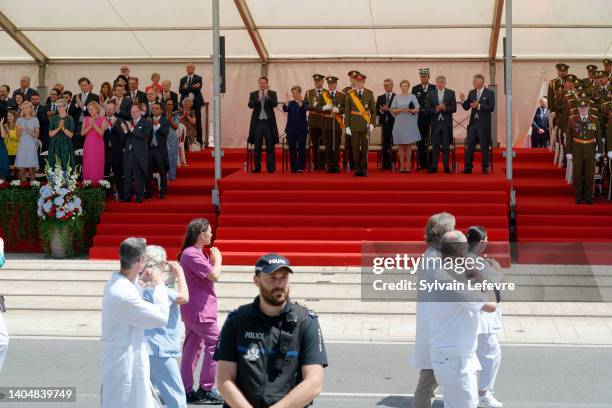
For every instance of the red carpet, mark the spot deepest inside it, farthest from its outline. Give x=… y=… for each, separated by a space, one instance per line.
x=322 y=219
x=163 y=222
x=546 y=211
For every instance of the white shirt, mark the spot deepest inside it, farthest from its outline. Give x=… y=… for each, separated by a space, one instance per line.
x=453 y=327
x=421 y=356
x=125 y=377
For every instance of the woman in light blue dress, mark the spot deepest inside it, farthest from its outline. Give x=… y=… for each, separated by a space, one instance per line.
x=405 y=109
x=164 y=343
x=172 y=117
x=28 y=129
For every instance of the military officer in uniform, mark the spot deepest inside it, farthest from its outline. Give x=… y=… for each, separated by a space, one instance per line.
x=421 y=91
x=332 y=102
x=348 y=148
x=359 y=115
x=314 y=120
x=584 y=148
x=553 y=87
x=590 y=79
x=600 y=92
x=608 y=67
x=268 y=347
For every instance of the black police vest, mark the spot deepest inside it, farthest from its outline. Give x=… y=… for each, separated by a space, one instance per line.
x=269 y=361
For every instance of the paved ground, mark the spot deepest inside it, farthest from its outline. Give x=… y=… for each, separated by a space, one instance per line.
x=359 y=375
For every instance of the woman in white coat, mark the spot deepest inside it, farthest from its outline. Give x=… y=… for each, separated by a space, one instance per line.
x=489 y=324
x=126 y=379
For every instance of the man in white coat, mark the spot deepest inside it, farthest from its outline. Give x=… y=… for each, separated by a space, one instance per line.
x=126 y=380
x=437 y=226
x=453 y=329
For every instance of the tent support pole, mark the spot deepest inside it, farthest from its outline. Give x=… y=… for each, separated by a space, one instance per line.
x=508 y=79
x=216 y=101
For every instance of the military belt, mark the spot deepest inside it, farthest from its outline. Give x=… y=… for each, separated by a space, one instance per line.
x=584 y=141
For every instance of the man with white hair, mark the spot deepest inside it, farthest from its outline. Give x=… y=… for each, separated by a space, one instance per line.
x=453 y=327
x=24 y=88
x=126 y=379
x=437 y=226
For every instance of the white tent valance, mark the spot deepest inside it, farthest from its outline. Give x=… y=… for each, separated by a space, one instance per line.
x=294 y=29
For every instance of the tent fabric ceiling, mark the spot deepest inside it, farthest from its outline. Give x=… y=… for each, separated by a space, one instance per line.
x=294 y=29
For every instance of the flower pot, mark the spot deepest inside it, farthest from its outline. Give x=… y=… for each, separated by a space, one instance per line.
x=59 y=240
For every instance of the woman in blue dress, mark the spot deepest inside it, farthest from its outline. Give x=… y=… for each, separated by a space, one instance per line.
x=405 y=109
x=172 y=117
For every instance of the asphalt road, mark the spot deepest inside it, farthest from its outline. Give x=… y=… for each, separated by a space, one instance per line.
x=359 y=375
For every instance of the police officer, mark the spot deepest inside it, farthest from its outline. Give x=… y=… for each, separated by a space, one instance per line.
x=268 y=347
x=584 y=148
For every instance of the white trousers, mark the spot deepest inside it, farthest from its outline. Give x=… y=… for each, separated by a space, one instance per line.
x=4 y=341
x=489 y=356
x=458 y=380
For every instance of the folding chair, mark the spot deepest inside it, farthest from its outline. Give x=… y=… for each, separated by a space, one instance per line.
x=375 y=144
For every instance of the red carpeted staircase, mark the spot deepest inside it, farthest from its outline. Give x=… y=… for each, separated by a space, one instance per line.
x=545 y=207
x=163 y=222
x=322 y=219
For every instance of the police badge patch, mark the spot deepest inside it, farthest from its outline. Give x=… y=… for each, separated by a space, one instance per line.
x=252 y=353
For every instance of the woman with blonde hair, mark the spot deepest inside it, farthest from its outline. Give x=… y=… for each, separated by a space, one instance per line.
x=405 y=109
x=165 y=342
x=28 y=131
x=93 y=130
x=155 y=78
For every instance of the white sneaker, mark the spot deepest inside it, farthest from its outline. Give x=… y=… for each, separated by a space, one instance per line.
x=489 y=401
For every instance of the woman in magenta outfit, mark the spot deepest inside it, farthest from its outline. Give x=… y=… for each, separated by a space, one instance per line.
x=93 y=130
x=200 y=314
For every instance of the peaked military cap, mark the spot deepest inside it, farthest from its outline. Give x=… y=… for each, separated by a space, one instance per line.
x=424 y=72
x=353 y=73
x=318 y=77
x=562 y=67
x=331 y=79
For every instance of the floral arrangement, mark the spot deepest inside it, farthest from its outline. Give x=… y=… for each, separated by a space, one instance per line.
x=58 y=199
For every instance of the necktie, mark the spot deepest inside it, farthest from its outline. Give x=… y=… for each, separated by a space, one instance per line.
x=332 y=94
x=133 y=95
x=359 y=94
x=478 y=93
x=110 y=121
x=52 y=107
x=189 y=82
x=387 y=99
x=134 y=122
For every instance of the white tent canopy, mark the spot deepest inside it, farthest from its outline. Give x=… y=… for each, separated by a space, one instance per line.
x=62 y=40
x=295 y=29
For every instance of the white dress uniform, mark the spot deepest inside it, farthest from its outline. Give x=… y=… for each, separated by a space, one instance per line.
x=126 y=379
x=488 y=350
x=453 y=334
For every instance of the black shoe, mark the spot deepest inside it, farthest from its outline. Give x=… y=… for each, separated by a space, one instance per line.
x=588 y=202
x=357 y=173
x=256 y=171
x=432 y=170
x=213 y=397
x=447 y=170
x=466 y=171
x=162 y=196
x=126 y=200
x=579 y=201
x=192 y=397
x=364 y=173
x=300 y=171
x=139 y=200
x=485 y=171
x=147 y=195
x=422 y=167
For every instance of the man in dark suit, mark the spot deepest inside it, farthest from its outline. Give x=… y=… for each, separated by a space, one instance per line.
x=166 y=94
x=151 y=99
x=158 y=151
x=442 y=105
x=51 y=106
x=114 y=140
x=78 y=109
x=6 y=102
x=43 y=119
x=136 y=154
x=263 y=124
x=191 y=86
x=481 y=101
x=24 y=88
x=136 y=95
x=421 y=91
x=123 y=103
x=539 y=126
x=386 y=121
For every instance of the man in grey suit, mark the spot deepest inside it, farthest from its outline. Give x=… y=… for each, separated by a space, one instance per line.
x=481 y=101
x=442 y=105
x=136 y=154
